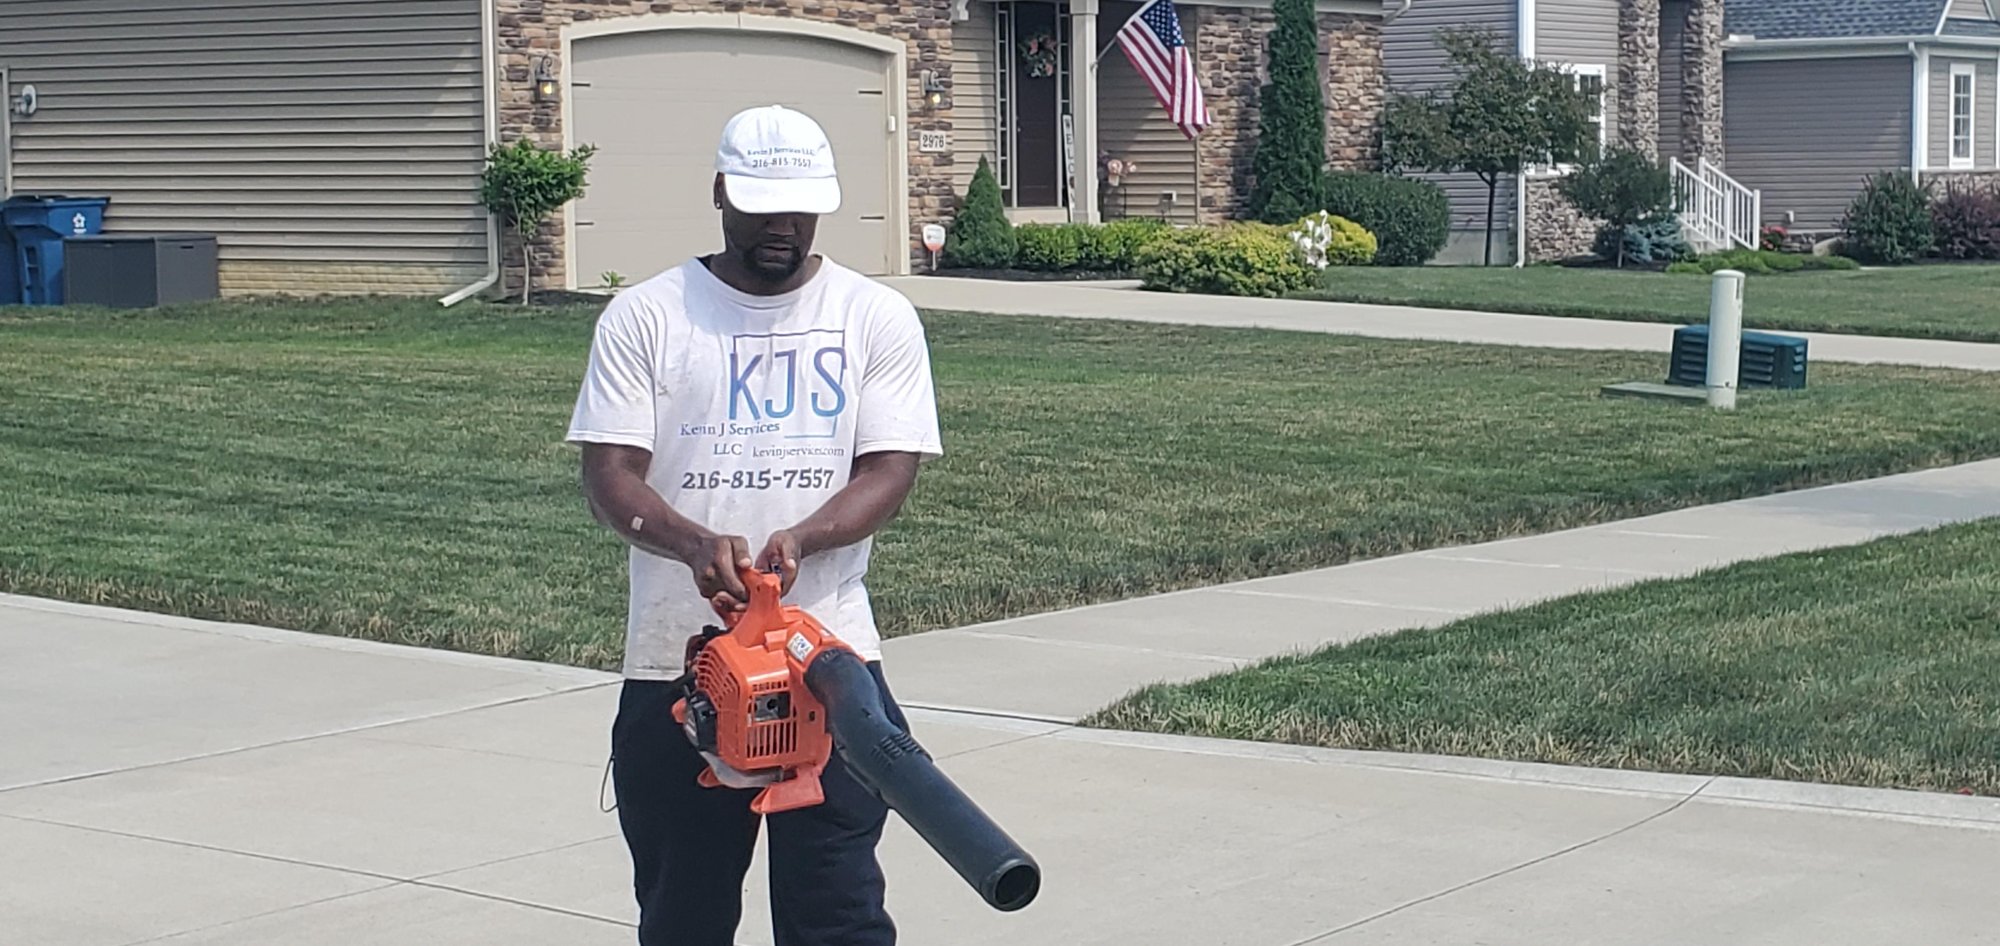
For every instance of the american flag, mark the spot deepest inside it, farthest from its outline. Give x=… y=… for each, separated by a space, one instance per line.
x=1152 y=40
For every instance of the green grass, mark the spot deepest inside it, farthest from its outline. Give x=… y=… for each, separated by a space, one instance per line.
x=1869 y=665
x=394 y=470
x=1947 y=302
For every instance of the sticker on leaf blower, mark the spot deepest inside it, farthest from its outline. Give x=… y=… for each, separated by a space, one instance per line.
x=800 y=647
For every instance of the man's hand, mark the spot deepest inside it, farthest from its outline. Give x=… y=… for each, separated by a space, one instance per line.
x=718 y=572
x=781 y=555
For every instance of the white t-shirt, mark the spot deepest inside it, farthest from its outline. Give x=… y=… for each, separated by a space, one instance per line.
x=754 y=408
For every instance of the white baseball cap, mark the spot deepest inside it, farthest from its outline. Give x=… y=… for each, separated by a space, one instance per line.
x=774 y=160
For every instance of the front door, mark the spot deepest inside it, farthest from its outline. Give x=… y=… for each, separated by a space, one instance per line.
x=1038 y=69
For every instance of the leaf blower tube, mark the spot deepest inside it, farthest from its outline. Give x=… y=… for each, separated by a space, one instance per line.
x=892 y=765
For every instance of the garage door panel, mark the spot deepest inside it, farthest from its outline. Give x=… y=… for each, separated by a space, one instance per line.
x=654 y=104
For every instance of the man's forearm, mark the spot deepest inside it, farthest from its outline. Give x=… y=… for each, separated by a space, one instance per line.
x=620 y=499
x=872 y=497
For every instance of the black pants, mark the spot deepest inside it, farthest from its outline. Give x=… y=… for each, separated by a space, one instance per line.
x=691 y=846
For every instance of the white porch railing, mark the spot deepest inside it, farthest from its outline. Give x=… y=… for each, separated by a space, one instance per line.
x=1717 y=211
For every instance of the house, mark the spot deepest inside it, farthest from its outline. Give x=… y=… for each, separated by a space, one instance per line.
x=338 y=146
x=1768 y=111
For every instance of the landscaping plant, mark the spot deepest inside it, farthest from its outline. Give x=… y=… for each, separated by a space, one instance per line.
x=1623 y=188
x=1114 y=247
x=1965 y=222
x=1235 y=259
x=1654 y=239
x=1889 y=222
x=1291 y=119
x=1499 y=115
x=524 y=183
x=980 y=236
x=1411 y=219
x=1772 y=238
x=1048 y=247
x=1761 y=262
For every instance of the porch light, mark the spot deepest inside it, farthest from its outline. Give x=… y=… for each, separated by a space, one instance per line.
x=933 y=88
x=546 y=89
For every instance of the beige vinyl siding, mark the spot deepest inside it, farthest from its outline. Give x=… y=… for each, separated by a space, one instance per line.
x=1808 y=132
x=1983 y=91
x=974 y=102
x=1578 y=31
x=1132 y=126
x=1968 y=10
x=1673 y=33
x=1414 y=61
x=327 y=145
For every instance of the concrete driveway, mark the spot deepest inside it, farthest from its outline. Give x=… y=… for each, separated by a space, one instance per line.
x=175 y=781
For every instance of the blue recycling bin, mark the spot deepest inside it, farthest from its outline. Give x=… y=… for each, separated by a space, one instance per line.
x=10 y=275
x=37 y=224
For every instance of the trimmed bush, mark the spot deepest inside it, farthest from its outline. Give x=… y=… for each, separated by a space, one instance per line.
x=1623 y=188
x=980 y=236
x=1048 y=247
x=1114 y=247
x=1761 y=263
x=1411 y=219
x=1656 y=239
x=1889 y=222
x=1965 y=222
x=1237 y=259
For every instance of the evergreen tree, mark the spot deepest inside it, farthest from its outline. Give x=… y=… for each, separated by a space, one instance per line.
x=980 y=236
x=1291 y=134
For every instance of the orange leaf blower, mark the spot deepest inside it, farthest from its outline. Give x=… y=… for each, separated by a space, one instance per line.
x=769 y=700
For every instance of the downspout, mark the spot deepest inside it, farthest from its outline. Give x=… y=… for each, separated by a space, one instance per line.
x=1391 y=18
x=1919 y=119
x=1525 y=24
x=489 y=64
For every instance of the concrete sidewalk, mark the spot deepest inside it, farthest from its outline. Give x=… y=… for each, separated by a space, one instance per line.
x=1120 y=301
x=173 y=781
x=1061 y=665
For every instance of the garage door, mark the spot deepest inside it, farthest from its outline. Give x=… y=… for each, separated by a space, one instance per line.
x=654 y=104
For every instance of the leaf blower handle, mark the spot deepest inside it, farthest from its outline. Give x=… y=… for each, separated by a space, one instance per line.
x=899 y=771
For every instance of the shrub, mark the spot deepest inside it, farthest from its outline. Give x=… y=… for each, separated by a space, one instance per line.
x=1772 y=238
x=1326 y=240
x=1291 y=117
x=980 y=236
x=1114 y=247
x=1965 y=222
x=1048 y=247
x=1761 y=262
x=524 y=183
x=1623 y=188
x=1889 y=222
x=1656 y=239
x=1238 y=259
x=1411 y=219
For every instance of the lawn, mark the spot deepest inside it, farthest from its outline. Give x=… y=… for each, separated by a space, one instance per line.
x=1869 y=665
x=1949 y=302
x=394 y=470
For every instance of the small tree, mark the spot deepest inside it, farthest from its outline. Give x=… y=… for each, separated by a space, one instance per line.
x=1291 y=119
x=1624 y=188
x=524 y=184
x=1499 y=115
x=980 y=236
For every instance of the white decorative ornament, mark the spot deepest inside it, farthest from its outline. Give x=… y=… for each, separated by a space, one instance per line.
x=1312 y=236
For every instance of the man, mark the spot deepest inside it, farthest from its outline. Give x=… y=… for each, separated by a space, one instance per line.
x=764 y=397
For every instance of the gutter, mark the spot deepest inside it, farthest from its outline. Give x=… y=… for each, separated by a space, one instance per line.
x=1848 y=42
x=489 y=63
x=1524 y=25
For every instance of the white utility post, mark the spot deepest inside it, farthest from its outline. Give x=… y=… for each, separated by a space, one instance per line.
x=1725 y=337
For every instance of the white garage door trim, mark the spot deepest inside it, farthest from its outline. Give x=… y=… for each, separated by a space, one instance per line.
x=896 y=57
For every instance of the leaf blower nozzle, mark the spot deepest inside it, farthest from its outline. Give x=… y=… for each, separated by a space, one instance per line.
x=899 y=771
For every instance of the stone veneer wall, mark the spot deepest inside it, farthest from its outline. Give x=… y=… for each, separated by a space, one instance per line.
x=1639 y=74
x=1555 y=229
x=1701 y=108
x=528 y=29
x=1230 y=42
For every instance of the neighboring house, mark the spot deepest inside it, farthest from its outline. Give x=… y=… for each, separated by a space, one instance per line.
x=1771 y=111
x=337 y=146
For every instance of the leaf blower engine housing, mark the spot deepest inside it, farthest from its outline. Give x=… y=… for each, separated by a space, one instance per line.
x=768 y=702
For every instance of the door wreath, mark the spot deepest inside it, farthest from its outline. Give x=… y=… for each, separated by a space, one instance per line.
x=1038 y=53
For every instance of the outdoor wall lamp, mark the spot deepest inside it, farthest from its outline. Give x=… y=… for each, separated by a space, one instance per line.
x=27 y=103
x=546 y=89
x=933 y=88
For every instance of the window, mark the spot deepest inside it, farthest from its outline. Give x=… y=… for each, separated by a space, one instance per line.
x=1961 y=125
x=1589 y=77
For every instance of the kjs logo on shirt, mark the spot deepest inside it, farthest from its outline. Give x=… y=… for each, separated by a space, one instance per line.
x=795 y=382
